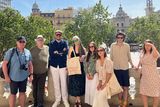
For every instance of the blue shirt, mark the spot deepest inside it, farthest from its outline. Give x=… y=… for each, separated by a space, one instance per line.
x=16 y=74
x=58 y=59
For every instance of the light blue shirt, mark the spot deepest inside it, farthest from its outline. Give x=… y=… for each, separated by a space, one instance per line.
x=15 y=73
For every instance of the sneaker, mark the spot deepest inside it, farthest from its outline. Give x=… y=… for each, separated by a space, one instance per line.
x=56 y=103
x=66 y=104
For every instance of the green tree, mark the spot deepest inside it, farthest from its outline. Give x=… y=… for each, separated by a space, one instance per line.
x=91 y=24
x=36 y=25
x=11 y=26
x=143 y=28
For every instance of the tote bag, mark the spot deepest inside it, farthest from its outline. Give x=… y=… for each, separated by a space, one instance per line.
x=73 y=65
x=113 y=86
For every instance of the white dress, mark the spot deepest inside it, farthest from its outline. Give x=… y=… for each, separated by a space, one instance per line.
x=100 y=98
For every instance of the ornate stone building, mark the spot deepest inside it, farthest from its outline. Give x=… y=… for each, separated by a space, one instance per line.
x=149 y=8
x=121 y=21
x=59 y=17
x=4 y=4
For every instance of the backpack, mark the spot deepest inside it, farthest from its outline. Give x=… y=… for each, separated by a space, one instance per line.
x=8 y=65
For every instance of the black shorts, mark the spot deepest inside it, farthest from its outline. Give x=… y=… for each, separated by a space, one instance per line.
x=122 y=77
x=20 y=85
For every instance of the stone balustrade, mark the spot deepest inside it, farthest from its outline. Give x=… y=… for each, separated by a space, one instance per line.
x=50 y=98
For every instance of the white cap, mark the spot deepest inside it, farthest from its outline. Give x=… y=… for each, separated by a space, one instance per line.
x=40 y=36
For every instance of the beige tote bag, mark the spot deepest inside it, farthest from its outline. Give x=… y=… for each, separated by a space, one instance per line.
x=73 y=65
x=113 y=86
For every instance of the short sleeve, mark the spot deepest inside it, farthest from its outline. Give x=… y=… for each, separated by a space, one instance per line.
x=109 y=66
x=7 y=55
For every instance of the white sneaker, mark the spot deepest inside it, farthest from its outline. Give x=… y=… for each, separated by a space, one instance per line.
x=66 y=104
x=56 y=103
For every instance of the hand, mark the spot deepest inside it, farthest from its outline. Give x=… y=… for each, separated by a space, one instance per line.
x=103 y=86
x=30 y=78
x=99 y=86
x=7 y=79
x=64 y=49
x=89 y=76
x=136 y=68
x=55 y=52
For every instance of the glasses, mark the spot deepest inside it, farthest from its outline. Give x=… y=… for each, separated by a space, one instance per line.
x=76 y=40
x=101 y=50
x=58 y=35
x=119 y=37
x=40 y=40
x=22 y=42
x=91 y=46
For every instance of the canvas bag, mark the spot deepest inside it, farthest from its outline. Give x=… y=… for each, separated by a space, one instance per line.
x=113 y=86
x=73 y=65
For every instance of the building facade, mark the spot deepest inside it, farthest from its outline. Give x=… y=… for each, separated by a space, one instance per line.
x=121 y=21
x=59 y=17
x=4 y=4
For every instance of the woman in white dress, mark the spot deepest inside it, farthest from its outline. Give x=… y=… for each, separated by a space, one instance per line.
x=91 y=75
x=104 y=67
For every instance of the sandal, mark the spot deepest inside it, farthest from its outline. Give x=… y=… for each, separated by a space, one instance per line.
x=120 y=103
x=125 y=104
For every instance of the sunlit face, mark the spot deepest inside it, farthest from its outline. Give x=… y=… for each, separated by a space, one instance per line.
x=101 y=52
x=120 y=38
x=21 y=44
x=58 y=36
x=76 y=42
x=91 y=47
x=147 y=47
x=40 y=41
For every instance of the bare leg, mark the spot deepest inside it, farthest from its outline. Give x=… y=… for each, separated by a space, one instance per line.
x=125 y=96
x=22 y=98
x=145 y=100
x=12 y=100
x=120 y=96
x=155 y=101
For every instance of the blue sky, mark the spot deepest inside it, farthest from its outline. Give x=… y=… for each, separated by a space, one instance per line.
x=133 y=8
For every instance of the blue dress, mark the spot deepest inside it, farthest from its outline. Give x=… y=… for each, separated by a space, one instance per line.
x=76 y=86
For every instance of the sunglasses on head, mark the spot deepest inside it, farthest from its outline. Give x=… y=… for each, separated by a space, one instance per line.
x=21 y=41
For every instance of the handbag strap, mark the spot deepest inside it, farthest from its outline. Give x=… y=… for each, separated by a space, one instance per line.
x=74 y=52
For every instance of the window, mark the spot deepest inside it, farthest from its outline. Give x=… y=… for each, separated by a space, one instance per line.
x=122 y=24
x=117 y=24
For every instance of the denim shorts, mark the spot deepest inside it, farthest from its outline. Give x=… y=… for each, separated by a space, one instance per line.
x=122 y=77
x=18 y=85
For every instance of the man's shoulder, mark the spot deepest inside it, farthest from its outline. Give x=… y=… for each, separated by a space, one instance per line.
x=27 y=51
x=113 y=44
x=126 y=44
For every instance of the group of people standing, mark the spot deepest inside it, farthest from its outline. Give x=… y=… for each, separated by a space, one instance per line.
x=96 y=71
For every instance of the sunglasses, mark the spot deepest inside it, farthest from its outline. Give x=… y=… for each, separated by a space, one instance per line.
x=120 y=38
x=91 y=46
x=21 y=41
x=58 y=35
x=101 y=50
x=76 y=40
